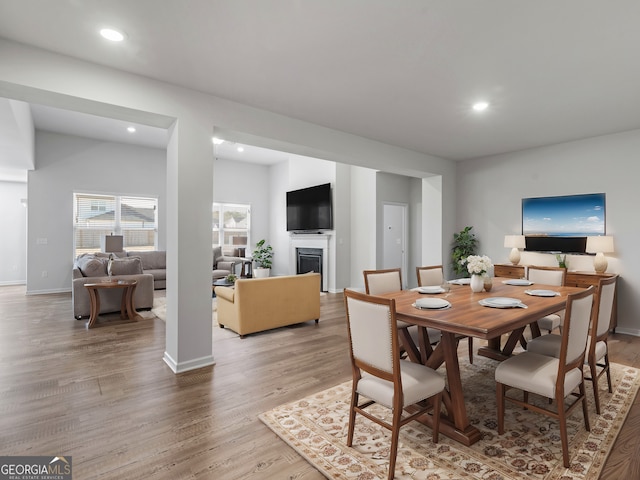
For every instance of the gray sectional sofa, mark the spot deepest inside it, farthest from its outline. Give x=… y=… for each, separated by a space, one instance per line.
x=149 y=268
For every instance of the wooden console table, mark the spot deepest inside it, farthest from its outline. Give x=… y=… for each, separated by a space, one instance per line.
x=573 y=279
x=127 y=308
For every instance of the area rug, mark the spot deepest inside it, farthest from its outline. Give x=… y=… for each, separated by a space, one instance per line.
x=160 y=309
x=316 y=427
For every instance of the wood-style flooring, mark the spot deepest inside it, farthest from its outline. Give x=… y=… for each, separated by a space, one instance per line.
x=106 y=398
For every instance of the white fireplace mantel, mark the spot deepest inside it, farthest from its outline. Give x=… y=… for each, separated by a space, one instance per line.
x=311 y=240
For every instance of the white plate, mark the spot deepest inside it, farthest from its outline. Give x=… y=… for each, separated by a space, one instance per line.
x=431 y=289
x=518 y=281
x=432 y=303
x=461 y=281
x=500 y=302
x=542 y=293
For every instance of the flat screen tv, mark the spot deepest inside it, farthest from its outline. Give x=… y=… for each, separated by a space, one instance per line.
x=310 y=209
x=562 y=223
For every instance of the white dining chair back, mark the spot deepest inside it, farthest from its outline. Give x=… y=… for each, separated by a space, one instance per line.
x=548 y=276
x=430 y=275
x=377 y=282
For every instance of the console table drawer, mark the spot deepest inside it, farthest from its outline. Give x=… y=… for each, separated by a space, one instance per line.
x=584 y=279
x=509 y=271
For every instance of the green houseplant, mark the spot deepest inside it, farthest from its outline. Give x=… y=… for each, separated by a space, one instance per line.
x=263 y=258
x=464 y=244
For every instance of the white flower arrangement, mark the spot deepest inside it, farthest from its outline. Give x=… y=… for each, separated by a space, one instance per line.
x=478 y=265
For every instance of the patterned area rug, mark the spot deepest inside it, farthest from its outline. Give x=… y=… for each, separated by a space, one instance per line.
x=316 y=427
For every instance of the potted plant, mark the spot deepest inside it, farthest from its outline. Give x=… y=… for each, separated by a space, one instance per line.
x=263 y=259
x=464 y=244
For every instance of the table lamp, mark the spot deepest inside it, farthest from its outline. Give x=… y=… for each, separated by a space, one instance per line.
x=113 y=243
x=600 y=245
x=514 y=242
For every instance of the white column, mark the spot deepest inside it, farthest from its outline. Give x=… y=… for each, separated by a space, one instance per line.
x=189 y=254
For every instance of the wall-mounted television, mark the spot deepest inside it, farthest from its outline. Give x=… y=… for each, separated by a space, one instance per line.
x=562 y=223
x=310 y=209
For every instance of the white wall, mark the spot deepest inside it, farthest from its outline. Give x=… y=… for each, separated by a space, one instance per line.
x=490 y=191
x=66 y=164
x=245 y=183
x=363 y=223
x=13 y=241
x=278 y=238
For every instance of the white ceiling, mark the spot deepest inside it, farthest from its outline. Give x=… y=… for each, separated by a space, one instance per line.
x=404 y=73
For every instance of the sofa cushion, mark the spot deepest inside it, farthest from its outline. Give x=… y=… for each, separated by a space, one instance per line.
x=126 y=266
x=151 y=259
x=226 y=266
x=91 y=266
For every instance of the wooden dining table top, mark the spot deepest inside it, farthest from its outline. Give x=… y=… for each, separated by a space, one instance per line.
x=467 y=317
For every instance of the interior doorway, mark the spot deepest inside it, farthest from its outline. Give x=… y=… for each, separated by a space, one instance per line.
x=394 y=237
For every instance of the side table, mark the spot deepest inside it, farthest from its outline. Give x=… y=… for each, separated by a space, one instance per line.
x=127 y=308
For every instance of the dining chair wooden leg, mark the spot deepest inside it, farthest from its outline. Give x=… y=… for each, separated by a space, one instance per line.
x=352 y=415
x=594 y=382
x=562 y=420
x=585 y=409
x=500 y=391
x=395 y=436
x=471 y=350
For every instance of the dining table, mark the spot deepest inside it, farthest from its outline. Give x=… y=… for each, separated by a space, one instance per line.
x=468 y=314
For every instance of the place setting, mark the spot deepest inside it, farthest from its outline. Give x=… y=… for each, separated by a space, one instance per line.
x=432 y=289
x=542 y=293
x=431 y=304
x=501 y=302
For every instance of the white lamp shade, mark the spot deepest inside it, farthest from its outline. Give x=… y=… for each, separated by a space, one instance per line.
x=514 y=241
x=602 y=244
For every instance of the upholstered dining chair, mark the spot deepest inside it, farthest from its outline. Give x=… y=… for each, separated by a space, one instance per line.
x=432 y=275
x=548 y=276
x=381 y=376
x=377 y=282
x=551 y=377
x=597 y=356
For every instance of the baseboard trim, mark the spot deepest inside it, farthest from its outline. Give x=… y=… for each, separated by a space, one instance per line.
x=628 y=331
x=46 y=292
x=187 y=366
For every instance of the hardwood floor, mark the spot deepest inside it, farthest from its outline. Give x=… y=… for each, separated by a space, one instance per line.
x=105 y=397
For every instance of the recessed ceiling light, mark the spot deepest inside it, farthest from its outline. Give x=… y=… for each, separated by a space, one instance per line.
x=131 y=129
x=241 y=149
x=111 y=34
x=217 y=141
x=480 y=106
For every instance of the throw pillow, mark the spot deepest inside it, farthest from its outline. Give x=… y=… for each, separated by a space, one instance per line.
x=92 y=266
x=217 y=253
x=126 y=266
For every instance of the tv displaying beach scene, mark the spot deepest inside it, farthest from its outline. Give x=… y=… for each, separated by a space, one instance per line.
x=564 y=216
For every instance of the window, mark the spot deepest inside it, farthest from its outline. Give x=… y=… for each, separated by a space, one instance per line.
x=94 y=216
x=231 y=225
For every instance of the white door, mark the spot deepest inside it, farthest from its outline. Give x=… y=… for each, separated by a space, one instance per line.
x=394 y=238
